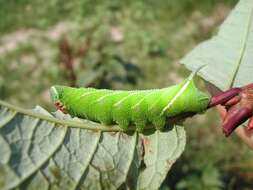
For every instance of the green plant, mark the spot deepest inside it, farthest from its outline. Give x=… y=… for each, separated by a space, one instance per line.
x=142 y=44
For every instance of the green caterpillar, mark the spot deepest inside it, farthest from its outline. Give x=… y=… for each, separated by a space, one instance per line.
x=136 y=107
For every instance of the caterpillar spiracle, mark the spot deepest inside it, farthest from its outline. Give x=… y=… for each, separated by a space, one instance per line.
x=136 y=107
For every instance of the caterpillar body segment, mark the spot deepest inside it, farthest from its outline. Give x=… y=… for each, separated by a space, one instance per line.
x=125 y=108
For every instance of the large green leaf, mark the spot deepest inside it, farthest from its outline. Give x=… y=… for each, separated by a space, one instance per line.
x=229 y=54
x=39 y=150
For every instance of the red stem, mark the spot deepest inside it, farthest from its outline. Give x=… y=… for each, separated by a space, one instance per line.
x=224 y=97
x=235 y=118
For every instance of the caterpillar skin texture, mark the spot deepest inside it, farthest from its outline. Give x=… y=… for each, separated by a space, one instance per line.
x=125 y=108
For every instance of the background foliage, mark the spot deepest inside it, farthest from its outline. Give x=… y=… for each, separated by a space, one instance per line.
x=121 y=45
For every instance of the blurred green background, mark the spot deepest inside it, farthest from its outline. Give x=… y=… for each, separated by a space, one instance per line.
x=121 y=45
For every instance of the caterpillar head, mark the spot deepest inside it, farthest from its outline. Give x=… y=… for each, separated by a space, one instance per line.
x=56 y=94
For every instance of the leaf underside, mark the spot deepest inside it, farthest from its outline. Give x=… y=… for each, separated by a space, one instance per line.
x=229 y=54
x=39 y=150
